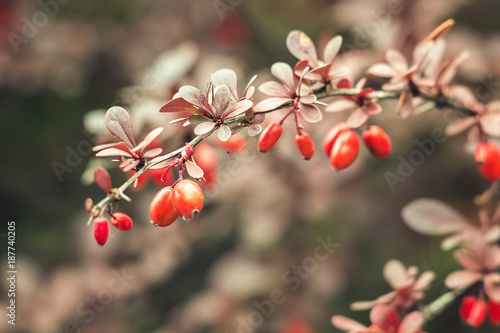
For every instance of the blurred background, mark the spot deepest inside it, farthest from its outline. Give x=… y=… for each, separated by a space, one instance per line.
x=247 y=263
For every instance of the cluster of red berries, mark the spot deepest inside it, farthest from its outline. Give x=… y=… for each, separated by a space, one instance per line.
x=121 y=221
x=341 y=144
x=184 y=198
x=487 y=156
x=473 y=311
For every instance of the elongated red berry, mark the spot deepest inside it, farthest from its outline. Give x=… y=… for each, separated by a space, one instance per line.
x=121 y=221
x=494 y=312
x=331 y=136
x=269 y=136
x=101 y=230
x=477 y=313
x=206 y=158
x=487 y=156
x=187 y=198
x=377 y=141
x=465 y=307
x=161 y=209
x=305 y=145
x=345 y=149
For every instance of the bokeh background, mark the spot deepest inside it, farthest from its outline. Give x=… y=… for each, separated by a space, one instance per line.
x=63 y=63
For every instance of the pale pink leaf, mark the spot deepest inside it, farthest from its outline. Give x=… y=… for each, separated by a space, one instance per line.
x=150 y=137
x=467 y=260
x=283 y=72
x=273 y=88
x=424 y=281
x=372 y=109
x=228 y=78
x=395 y=273
x=119 y=124
x=460 y=279
x=271 y=104
x=194 y=96
x=102 y=178
x=340 y=106
x=432 y=217
x=118 y=145
x=382 y=70
x=310 y=113
x=385 y=317
x=204 y=128
x=490 y=123
x=238 y=108
x=301 y=46
x=152 y=153
x=492 y=286
x=224 y=133
x=221 y=100
x=459 y=125
x=194 y=170
x=357 y=118
x=113 y=152
x=249 y=90
x=332 y=49
x=396 y=60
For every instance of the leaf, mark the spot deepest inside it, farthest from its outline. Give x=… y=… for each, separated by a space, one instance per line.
x=492 y=286
x=228 y=78
x=178 y=105
x=283 y=72
x=249 y=90
x=460 y=279
x=467 y=260
x=395 y=273
x=113 y=152
x=194 y=96
x=152 y=153
x=273 y=88
x=357 y=118
x=424 y=281
x=193 y=169
x=149 y=138
x=102 y=179
x=254 y=130
x=119 y=124
x=221 y=100
x=459 y=125
x=340 y=106
x=490 y=123
x=224 y=133
x=382 y=70
x=204 y=128
x=432 y=217
x=118 y=145
x=396 y=60
x=271 y=104
x=332 y=49
x=301 y=46
x=89 y=204
x=238 y=108
x=310 y=113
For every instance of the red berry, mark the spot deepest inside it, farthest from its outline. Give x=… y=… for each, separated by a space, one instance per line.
x=477 y=313
x=494 y=312
x=235 y=144
x=465 y=307
x=487 y=156
x=101 y=230
x=269 y=136
x=121 y=221
x=187 y=198
x=331 y=136
x=206 y=158
x=377 y=141
x=305 y=145
x=161 y=209
x=345 y=149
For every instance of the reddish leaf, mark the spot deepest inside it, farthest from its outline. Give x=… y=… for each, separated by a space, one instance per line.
x=195 y=96
x=194 y=170
x=89 y=204
x=412 y=323
x=432 y=217
x=238 y=108
x=178 y=105
x=113 y=152
x=347 y=324
x=119 y=124
x=150 y=137
x=102 y=179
